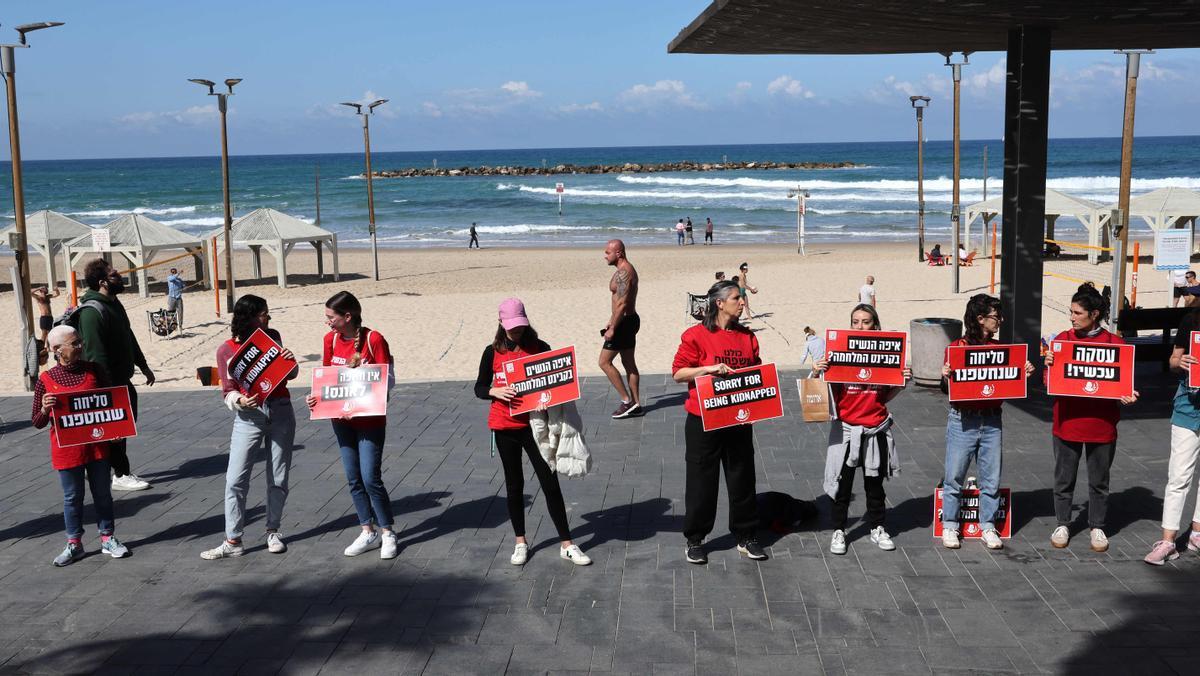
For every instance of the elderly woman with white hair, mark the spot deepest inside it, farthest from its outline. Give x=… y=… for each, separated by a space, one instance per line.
x=74 y=463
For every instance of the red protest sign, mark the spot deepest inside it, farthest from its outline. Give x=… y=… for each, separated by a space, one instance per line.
x=980 y=372
x=344 y=392
x=865 y=357
x=739 y=397
x=552 y=376
x=91 y=416
x=1095 y=370
x=1194 y=350
x=968 y=513
x=258 y=366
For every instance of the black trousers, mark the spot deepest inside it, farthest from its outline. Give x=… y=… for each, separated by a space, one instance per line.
x=509 y=444
x=474 y=240
x=118 y=456
x=707 y=452
x=872 y=486
x=1066 y=466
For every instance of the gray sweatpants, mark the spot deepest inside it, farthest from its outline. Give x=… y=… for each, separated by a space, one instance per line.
x=176 y=304
x=273 y=425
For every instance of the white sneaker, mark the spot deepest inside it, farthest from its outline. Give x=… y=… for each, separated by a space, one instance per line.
x=275 y=543
x=388 y=549
x=366 y=541
x=520 y=554
x=880 y=537
x=838 y=544
x=1099 y=540
x=129 y=482
x=226 y=550
x=575 y=555
x=1060 y=537
x=950 y=538
x=991 y=539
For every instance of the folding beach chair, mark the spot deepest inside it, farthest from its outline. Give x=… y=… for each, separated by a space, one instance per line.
x=162 y=322
x=696 y=305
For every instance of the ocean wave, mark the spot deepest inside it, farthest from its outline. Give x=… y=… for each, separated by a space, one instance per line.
x=206 y=221
x=353 y=178
x=938 y=184
x=145 y=211
x=399 y=201
x=645 y=194
x=529 y=228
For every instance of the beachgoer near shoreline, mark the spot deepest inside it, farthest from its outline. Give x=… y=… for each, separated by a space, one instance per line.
x=41 y=296
x=688 y=229
x=935 y=255
x=708 y=231
x=474 y=238
x=75 y=463
x=866 y=292
x=814 y=347
x=680 y=232
x=255 y=421
x=744 y=268
x=516 y=338
x=1084 y=427
x=361 y=439
x=620 y=334
x=861 y=437
x=717 y=345
x=175 y=285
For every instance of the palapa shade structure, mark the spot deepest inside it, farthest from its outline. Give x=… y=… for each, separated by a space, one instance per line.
x=278 y=233
x=46 y=232
x=1091 y=214
x=139 y=239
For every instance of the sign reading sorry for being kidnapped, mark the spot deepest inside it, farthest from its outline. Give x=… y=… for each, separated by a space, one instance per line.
x=865 y=357
x=91 y=416
x=1097 y=370
x=738 y=397
x=549 y=378
x=345 y=392
x=979 y=372
x=258 y=367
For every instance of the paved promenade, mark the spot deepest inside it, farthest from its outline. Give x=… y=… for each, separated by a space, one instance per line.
x=451 y=602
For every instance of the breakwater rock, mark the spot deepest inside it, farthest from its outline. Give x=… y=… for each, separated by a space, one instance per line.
x=626 y=168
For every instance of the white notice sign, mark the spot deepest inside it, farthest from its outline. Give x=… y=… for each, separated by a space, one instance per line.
x=1172 y=249
x=101 y=239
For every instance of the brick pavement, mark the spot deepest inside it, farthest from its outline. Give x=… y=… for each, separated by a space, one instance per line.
x=451 y=602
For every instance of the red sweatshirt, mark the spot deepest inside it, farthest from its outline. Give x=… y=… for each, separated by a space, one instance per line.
x=698 y=346
x=982 y=404
x=1083 y=419
x=339 y=352
x=82 y=375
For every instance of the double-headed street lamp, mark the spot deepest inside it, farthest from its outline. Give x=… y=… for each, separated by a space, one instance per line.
x=8 y=66
x=222 y=105
x=920 y=103
x=366 y=121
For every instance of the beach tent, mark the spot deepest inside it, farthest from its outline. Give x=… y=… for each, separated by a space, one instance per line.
x=139 y=239
x=1166 y=208
x=46 y=232
x=278 y=232
x=1093 y=216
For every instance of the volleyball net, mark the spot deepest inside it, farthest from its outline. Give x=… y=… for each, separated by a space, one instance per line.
x=1077 y=263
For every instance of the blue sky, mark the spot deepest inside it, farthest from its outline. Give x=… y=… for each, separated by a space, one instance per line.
x=466 y=75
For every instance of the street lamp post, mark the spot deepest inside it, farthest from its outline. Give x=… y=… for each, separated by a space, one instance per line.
x=920 y=103
x=955 y=212
x=800 y=194
x=1133 y=58
x=366 y=117
x=8 y=66
x=222 y=105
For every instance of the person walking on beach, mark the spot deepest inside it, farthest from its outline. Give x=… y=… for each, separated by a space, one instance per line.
x=175 y=286
x=974 y=430
x=1084 y=427
x=350 y=344
x=680 y=232
x=814 y=347
x=75 y=463
x=716 y=346
x=688 y=229
x=516 y=338
x=620 y=334
x=744 y=268
x=866 y=293
x=708 y=230
x=108 y=341
x=256 y=423
x=861 y=437
x=1185 y=450
x=474 y=238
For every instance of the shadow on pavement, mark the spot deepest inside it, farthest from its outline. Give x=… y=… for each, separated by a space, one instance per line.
x=50 y=524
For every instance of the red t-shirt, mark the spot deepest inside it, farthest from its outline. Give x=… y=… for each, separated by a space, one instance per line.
x=980 y=405
x=498 y=416
x=863 y=405
x=339 y=352
x=698 y=346
x=1083 y=419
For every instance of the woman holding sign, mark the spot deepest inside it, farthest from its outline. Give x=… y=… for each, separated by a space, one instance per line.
x=861 y=437
x=716 y=346
x=511 y=435
x=255 y=419
x=1084 y=426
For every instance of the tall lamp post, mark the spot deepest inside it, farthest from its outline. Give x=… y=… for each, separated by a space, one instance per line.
x=920 y=103
x=955 y=209
x=1133 y=59
x=222 y=105
x=366 y=121
x=8 y=66
x=800 y=194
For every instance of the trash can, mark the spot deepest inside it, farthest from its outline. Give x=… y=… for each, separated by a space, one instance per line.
x=929 y=338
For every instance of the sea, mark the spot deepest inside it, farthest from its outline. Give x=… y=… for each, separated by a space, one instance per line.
x=875 y=201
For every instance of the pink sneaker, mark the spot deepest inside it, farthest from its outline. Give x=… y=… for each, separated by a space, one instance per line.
x=1194 y=542
x=1162 y=552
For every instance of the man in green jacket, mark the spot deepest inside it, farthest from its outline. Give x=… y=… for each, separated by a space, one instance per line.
x=108 y=340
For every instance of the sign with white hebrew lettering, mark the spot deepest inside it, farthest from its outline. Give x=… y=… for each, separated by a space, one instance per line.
x=93 y=416
x=865 y=357
x=985 y=372
x=1096 y=370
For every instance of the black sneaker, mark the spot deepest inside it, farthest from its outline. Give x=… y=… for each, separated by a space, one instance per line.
x=695 y=553
x=626 y=409
x=752 y=550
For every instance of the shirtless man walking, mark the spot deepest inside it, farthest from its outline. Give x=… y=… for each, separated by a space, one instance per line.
x=620 y=335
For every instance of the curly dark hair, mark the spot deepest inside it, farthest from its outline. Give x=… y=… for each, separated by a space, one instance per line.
x=94 y=272
x=980 y=305
x=245 y=316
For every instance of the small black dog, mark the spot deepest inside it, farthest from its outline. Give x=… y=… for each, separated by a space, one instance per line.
x=781 y=513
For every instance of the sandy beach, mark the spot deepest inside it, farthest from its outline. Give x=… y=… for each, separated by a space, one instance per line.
x=437 y=307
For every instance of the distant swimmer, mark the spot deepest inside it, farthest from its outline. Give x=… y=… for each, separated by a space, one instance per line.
x=620 y=334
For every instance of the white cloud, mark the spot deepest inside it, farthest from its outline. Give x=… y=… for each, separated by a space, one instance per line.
x=593 y=107
x=155 y=121
x=787 y=86
x=743 y=86
x=431 y=109
x=661 y=94
x=520 y=89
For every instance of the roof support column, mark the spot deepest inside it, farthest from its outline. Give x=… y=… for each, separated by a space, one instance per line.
x=1026 y=106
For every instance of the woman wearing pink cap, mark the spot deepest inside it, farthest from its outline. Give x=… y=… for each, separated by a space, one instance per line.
x=515 y=338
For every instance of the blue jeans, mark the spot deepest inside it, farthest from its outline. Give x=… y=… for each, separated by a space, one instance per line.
x=272 y=425
x=362 y=454
x=72 y=485
x=972 y=436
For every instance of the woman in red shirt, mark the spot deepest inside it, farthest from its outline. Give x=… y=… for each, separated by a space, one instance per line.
x=716 y=346
x=861 y=437
x=1084 y=426
x=511 y=435
x=351 y=344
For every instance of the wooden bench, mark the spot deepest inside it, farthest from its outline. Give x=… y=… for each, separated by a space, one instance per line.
x=1164 y=319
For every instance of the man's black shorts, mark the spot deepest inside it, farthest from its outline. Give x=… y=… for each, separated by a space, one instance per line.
x=625 y=337
x=1180 y=291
